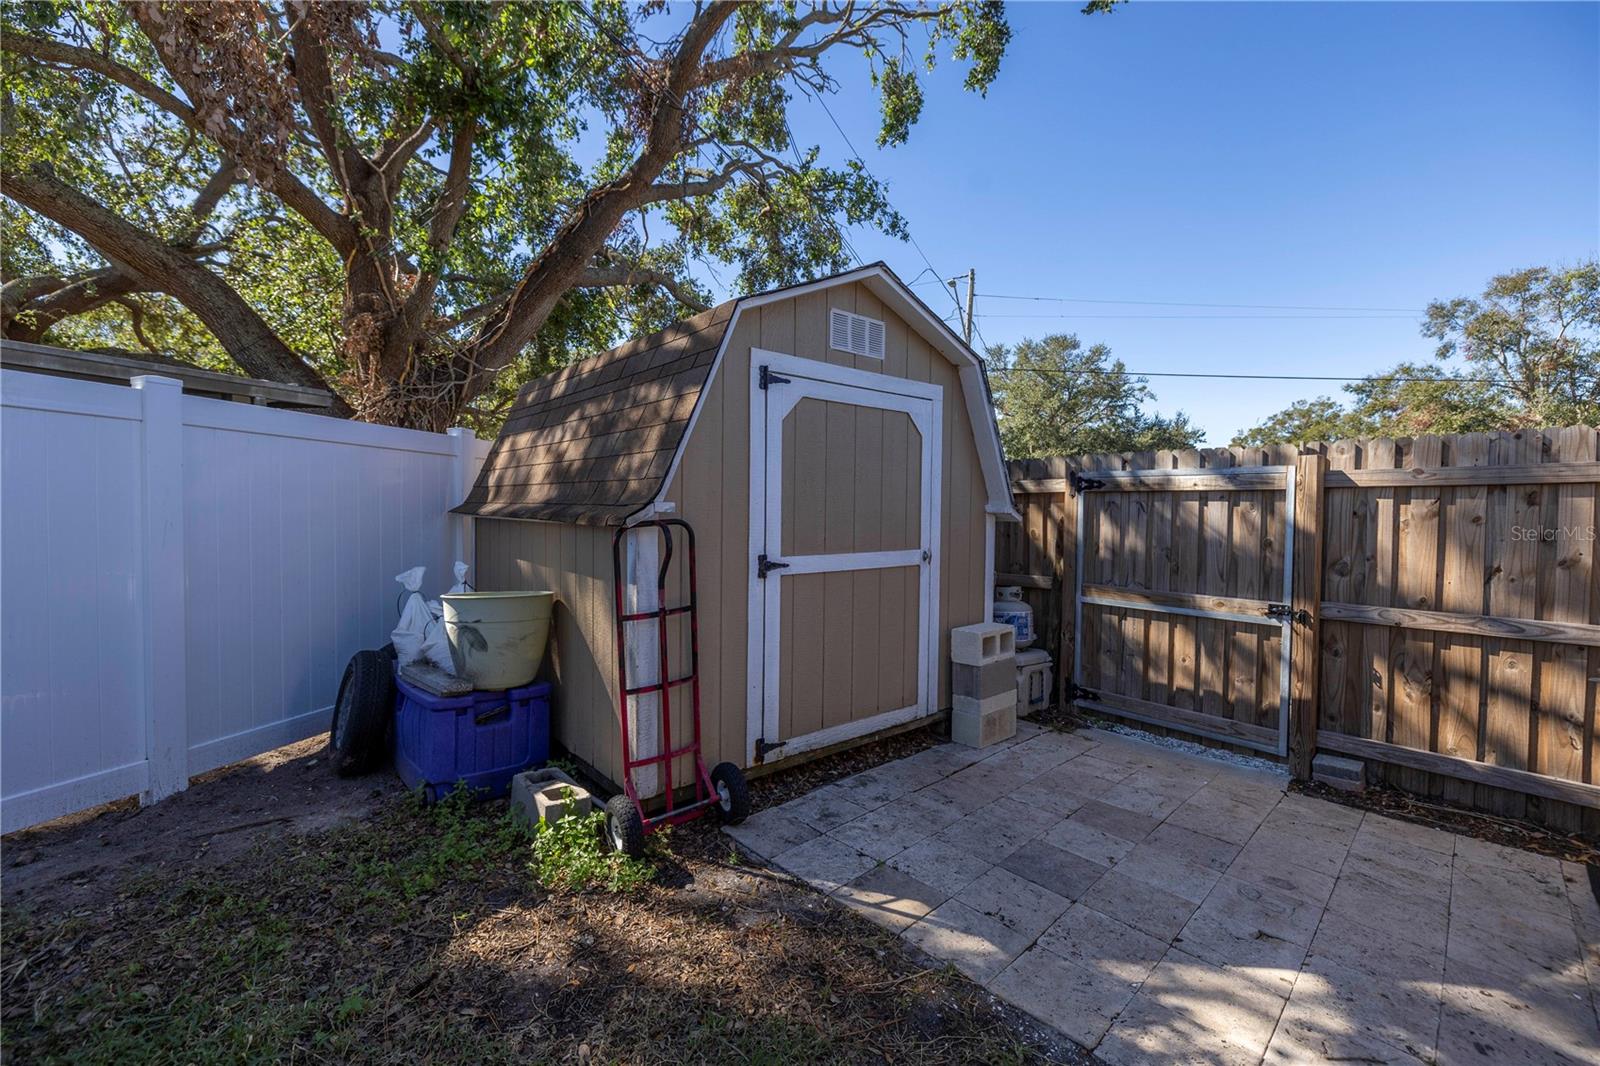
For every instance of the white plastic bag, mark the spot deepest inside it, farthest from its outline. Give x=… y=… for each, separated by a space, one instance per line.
x=414 y=619
x=436 y=646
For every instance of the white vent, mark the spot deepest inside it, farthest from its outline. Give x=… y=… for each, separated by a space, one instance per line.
x=856 y=334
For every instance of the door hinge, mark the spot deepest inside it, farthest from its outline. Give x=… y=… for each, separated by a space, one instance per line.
x=1081 y=484
x=768 y=378
x=1078 y=692
x=764 y=566
x=763 y=746
x=1286 y=613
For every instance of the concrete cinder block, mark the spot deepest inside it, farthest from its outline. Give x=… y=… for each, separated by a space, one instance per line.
x=1337 y=771
x=979 y=729
x=989 y=704
x=981 y=644
x=555 y=802
x=540 y=794
x=981 y=682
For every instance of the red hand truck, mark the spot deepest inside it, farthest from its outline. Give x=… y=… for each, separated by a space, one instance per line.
x=723 y=789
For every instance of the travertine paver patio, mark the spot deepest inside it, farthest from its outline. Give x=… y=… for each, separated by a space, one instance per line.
x=1158 y=906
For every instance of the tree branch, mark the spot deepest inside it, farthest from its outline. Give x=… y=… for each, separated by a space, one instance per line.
x=454 y=196
x=615 y=274
x=336 y=229
x=585 y=231
x=787 y=54
x=136 y=320
x=248 y=340
x=393 y=156
x=313 y=78
x=763 y=166
x=31 y=319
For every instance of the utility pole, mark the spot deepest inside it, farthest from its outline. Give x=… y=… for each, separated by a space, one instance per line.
x=972 y=285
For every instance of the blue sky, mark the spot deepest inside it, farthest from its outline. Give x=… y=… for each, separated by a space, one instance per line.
x=1347 y=155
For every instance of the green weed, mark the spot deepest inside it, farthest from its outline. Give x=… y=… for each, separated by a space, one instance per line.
x=572 y=854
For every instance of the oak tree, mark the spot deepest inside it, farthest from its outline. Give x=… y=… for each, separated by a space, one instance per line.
x=1524 y=354
x=401 y=199
x=1056 y=397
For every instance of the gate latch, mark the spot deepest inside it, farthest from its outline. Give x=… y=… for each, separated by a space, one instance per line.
x=1081 y=484
x=765 y=566
x=769 y=378
x=1286 y=613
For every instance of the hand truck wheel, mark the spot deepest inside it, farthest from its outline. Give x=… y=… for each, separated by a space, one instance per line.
x=625 y=827
x=733 y=793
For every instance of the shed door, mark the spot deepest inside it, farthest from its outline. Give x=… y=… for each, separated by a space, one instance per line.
x=846 y=517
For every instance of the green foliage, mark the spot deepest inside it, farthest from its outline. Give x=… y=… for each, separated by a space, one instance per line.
x=1538 y=330
x=559 y=99
x=1525 y=354
x=1057 y=398
x=1304 y=420
x=571 y=854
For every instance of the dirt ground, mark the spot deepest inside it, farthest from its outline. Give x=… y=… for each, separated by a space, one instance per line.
x=77 y=860
x=275 y=912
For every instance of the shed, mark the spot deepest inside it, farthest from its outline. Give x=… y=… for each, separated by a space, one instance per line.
x=836 y=431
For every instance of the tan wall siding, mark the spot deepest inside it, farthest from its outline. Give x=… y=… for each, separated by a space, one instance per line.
x=575 y=563
x=711 y=490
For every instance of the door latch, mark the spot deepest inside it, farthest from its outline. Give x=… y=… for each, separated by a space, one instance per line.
x=1286 y=613
x=764 y=566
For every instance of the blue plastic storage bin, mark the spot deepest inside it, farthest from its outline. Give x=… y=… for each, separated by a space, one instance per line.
x=483 y=739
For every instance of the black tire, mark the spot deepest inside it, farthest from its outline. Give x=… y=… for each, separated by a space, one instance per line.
x=359 y=735
x=624 y=827
x=733 y=793
x=388 y=652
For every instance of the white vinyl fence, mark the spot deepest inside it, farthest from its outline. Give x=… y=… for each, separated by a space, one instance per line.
x=183 y=579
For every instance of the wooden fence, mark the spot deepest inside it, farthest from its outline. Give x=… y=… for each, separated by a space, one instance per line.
x=1438 y=596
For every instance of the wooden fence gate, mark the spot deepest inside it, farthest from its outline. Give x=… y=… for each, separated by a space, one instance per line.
x=1435 y=600
x=1183 y=599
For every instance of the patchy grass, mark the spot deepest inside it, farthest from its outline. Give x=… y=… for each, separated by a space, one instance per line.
x=425 y=934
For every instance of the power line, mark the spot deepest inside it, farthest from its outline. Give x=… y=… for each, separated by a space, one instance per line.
x=1222 y=318
x=848 y=144
x=1188 y=303
x=794 y=149
x=1053 y=371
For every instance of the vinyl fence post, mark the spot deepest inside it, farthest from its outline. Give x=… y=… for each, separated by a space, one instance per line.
x=166 y=708
x=463 y=473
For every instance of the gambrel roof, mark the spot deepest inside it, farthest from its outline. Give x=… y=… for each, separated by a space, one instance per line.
x=596 y=442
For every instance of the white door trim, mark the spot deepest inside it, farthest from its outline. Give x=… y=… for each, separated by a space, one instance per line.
x=923 y=403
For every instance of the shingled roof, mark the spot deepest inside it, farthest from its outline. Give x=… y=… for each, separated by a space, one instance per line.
x=591 y=443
